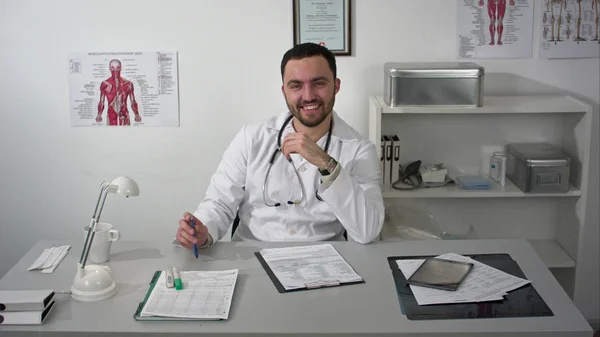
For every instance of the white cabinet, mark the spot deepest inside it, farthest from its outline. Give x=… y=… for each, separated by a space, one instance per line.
x=461 y=138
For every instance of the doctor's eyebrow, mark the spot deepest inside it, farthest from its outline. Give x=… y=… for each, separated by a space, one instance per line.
x=316 y=79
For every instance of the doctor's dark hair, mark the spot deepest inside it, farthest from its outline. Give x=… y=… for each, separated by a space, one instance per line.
x=308 y=49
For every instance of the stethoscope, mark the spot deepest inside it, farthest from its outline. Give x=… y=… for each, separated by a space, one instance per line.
x=278 y=150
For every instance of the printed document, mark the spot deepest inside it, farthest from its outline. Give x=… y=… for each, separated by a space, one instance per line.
x=494 y=29
x=205 y=295
x=569 y=29
x=309 y=266
x=50 y=259
x=482 y=284
x=124 y=88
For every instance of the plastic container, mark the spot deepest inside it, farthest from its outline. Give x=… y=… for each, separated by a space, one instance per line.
x=498 y=167
x=472 y=182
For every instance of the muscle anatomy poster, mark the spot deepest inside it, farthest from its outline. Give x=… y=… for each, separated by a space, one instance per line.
x=495 y=28
x=124 y=88
x=569 y=29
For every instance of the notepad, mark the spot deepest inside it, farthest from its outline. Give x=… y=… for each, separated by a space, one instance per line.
x=307 y=267
x=206 y=295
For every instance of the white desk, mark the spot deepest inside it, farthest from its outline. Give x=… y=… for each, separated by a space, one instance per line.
x=369 y=309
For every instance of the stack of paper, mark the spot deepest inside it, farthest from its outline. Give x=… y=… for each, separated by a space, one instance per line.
x=50 y=259
x=483 y=283
x=206 y=295
x=308 y=267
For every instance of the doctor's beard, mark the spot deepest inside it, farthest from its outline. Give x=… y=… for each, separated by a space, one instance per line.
x=326 y=109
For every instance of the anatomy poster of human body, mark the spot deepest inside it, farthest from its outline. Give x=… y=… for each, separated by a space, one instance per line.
x=495 y=28
x=124 y=88
x=569 y=29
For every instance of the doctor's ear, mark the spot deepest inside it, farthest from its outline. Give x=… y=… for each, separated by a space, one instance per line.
x=337 y=84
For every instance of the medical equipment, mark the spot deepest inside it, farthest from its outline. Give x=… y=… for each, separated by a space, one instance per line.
x=272 y=160
x=433 y=84
x=538 y=167
x=416 y=176
x=433 y=173
x=408 y=177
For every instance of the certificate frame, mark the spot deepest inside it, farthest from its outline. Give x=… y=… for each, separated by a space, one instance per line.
x=332 y=31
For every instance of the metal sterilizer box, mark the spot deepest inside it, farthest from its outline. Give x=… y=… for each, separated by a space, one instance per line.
x=538 y=167
x=433 y=83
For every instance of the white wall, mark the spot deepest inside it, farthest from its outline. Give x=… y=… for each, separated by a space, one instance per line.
x=229 y=55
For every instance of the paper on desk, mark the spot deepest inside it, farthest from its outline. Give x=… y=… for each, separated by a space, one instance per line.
x=482 y=284
x=50 y=258
x=301 y=266
x=205 y=295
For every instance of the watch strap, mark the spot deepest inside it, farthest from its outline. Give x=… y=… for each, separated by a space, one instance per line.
x=331 y=164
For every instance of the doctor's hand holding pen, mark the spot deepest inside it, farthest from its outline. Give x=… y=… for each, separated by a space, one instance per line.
x=189 y=236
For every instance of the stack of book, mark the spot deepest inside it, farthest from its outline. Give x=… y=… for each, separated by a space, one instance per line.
x=25 y=307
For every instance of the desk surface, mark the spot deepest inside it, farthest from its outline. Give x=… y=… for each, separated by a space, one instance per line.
x=368 y=309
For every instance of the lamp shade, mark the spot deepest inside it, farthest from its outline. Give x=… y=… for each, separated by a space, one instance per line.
x=125 y=186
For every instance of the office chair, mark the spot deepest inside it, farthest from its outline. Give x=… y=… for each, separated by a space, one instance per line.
x=236 y=223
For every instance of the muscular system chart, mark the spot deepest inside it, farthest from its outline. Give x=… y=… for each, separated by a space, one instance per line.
x=494 y=28
x=124 y=88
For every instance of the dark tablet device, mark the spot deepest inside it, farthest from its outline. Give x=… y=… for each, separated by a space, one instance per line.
x=440 y=274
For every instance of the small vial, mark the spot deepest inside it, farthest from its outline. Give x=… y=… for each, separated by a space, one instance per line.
x=498 y=167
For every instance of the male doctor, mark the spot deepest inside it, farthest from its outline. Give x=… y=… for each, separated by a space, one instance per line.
x=323 y=182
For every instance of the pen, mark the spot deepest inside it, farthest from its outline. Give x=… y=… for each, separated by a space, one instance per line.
x=195 y=244
x=177 y=276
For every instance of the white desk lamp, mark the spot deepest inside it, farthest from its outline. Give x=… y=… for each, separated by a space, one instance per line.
x=94 y=282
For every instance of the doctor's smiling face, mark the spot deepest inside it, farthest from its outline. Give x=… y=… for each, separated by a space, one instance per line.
x=309 y=87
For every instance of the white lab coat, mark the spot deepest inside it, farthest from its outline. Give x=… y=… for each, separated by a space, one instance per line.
x=353 y=202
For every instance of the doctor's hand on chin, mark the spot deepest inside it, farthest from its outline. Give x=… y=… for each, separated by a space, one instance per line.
x=301 y=144
x=185 y=233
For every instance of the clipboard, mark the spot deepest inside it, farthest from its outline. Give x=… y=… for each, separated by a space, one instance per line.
x=315 y=285
x=137 y=315
x=522 y=302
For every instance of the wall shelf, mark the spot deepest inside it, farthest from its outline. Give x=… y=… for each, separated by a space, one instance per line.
x=462 y=138
x=553 y=255
x=523 y=104
x=510 y=190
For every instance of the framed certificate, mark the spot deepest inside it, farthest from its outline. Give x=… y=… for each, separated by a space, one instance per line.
x=325 y=22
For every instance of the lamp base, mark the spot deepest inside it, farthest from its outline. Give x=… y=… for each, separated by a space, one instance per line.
x=94 y=283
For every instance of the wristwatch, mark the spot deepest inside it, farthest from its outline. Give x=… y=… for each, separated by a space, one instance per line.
x=331 y=164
